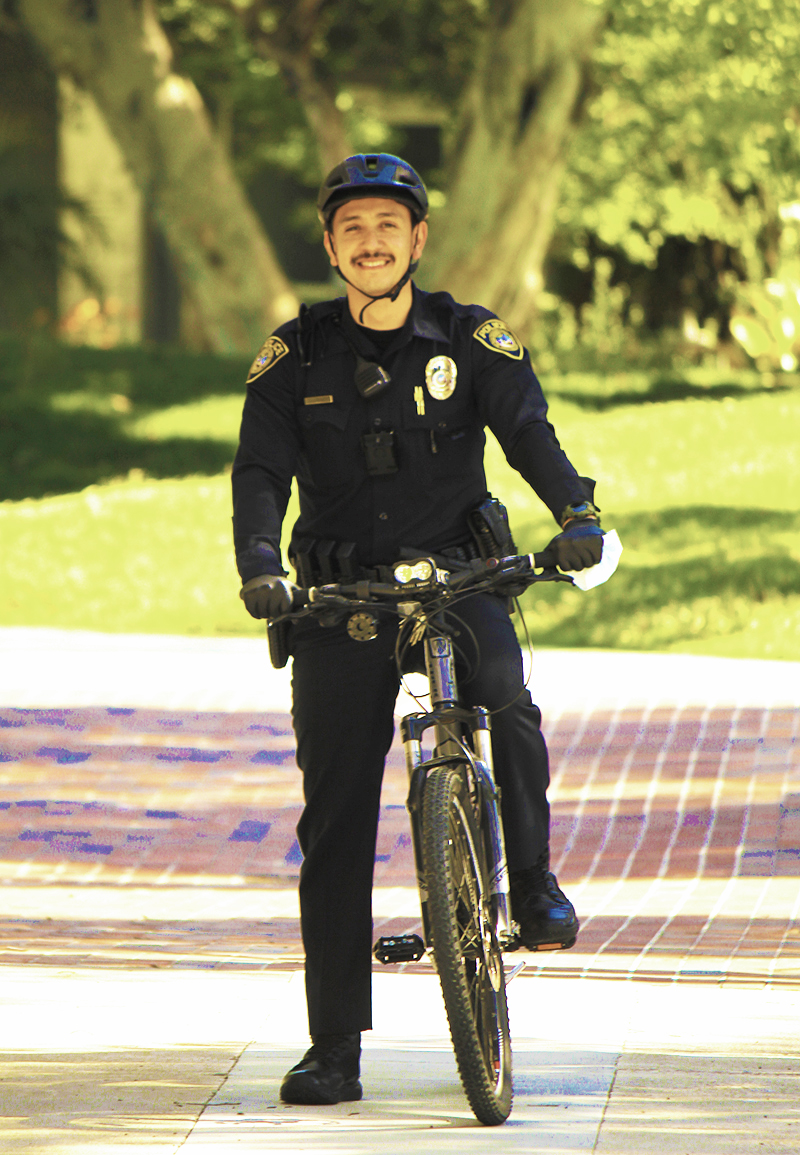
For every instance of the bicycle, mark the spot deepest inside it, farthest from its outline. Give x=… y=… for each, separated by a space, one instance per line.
x=454 y=806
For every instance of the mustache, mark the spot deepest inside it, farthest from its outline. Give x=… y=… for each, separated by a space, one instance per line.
x=367 y=256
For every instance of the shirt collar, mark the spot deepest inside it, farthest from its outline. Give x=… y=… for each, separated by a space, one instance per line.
x=423 y=320
x=420 y=322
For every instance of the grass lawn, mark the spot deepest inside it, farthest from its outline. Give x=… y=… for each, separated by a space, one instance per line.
x=702 y=481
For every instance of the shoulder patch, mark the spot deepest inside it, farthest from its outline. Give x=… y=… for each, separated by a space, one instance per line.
x=497 y=336
x=271 y=351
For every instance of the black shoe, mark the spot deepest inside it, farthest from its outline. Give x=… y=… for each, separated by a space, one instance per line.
x=327 y=1073
x=546 y=917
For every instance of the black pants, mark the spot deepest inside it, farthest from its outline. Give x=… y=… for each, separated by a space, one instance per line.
x=344 y=694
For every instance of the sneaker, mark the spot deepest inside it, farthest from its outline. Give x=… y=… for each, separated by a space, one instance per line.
x=546 y=917
x=327 y=1073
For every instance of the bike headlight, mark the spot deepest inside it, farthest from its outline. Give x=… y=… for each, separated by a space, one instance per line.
x=416 y=571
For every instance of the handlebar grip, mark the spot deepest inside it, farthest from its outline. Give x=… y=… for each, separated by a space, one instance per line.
x=299 y=598
x=545 y=560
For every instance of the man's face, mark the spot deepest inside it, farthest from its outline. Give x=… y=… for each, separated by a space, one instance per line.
x=372 y=240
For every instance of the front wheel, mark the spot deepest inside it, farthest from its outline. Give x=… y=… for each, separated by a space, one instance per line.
x=465 y=946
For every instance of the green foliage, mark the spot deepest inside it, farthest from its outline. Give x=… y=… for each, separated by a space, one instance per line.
x=767 y=319
x=693 y=130
x=601 y=334
x=688 y=146
x=253 y=63
x=238 y=55
x=769 y=332
x=688 y=149
x=420 y=46
x=258 y=119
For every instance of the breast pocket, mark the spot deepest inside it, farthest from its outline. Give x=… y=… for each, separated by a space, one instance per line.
x=329 y=445
x=448 y=435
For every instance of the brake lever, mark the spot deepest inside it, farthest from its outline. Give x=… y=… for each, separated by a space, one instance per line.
x=318 y=597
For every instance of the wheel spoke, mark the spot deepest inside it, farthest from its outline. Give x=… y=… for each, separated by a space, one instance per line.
x=465 y=895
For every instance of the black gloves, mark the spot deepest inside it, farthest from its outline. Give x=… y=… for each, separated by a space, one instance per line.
x=578 y=546
x=580 y=543
x=267 y=595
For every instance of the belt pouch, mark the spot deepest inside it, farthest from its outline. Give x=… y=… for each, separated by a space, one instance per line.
x=278 y=641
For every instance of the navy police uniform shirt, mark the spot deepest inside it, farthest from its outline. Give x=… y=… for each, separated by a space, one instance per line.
x=455 y=369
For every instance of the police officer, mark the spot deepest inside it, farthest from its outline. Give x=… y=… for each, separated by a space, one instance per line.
x=377 y=403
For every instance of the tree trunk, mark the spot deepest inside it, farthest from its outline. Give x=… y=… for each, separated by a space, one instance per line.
x=117 y=50
x=507 y=155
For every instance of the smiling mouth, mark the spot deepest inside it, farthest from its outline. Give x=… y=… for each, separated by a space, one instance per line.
x=374 y=261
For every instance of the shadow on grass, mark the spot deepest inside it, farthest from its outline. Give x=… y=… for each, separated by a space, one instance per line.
x=716 y=525
x=648 y=606
x=662 y=389
x=158 y=377
x=48 y=450
x=43 y=452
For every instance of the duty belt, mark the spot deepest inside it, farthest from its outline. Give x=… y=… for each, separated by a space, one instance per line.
x=321 y=562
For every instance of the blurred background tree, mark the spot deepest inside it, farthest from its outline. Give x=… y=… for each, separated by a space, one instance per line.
x=684 y=180
x=118 y=52
x=635 y=161
x=676 y=122
x=481 y=95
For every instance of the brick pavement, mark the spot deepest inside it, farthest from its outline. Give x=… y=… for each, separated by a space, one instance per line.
x=676 y=830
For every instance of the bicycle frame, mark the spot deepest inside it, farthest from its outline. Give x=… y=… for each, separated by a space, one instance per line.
x=451 y=722
x=462 y=736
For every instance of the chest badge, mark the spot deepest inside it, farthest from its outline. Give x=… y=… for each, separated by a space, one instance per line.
x=271 y=351
x=440 y=377
x=497 y=336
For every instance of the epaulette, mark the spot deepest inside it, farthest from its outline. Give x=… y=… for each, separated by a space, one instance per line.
x=308 y=325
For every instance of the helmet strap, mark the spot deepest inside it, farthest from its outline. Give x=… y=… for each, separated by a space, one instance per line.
x=392 y=294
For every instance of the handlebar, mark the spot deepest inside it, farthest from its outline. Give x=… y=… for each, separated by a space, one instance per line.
x=439 y=584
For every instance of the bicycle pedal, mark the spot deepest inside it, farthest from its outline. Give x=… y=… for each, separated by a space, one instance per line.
x=399 y=948
x=554 y=945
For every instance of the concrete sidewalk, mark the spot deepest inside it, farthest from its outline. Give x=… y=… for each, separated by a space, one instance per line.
x=104 y=1061
x=43 y=667
x=149 y=945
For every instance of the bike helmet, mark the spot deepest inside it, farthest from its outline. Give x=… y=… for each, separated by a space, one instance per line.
x=372 y=175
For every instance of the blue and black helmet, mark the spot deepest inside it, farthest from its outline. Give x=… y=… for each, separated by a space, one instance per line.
x=372 y=175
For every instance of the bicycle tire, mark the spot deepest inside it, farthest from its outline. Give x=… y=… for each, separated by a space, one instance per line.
x=465 y=947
